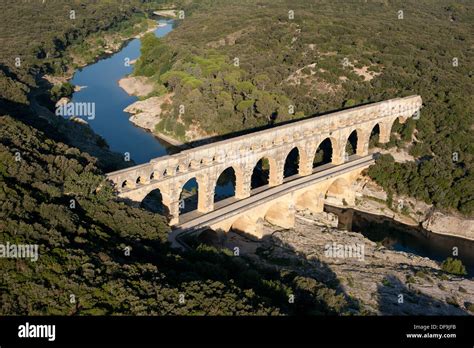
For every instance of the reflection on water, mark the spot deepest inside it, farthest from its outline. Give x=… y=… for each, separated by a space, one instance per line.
x=397 y=236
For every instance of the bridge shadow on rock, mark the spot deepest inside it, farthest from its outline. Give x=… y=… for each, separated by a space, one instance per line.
x=397 y=298
x=315 y=287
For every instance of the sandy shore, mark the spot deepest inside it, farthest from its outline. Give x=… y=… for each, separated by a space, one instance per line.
x=166 y=13
x=151 y=29
x=138 y=86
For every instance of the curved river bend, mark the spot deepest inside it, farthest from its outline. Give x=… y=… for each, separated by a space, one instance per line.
x=111 y=122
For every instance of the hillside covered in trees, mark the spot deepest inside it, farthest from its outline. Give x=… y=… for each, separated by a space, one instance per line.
x=98 y=255
x=234 y=66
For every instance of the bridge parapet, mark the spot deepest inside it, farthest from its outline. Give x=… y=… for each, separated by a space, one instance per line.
x=241 y=149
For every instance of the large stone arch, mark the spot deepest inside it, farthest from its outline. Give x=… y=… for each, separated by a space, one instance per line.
x=154 y=202
x=373 y=133
x=360 y=136
x=248 y=225
x=169 y=196
x=290 y=168
x=312 y=199
x=192 y=202
x=351 y=142
x=281 y=213
x=386 y=127
x=339 y=192
x=305 y=152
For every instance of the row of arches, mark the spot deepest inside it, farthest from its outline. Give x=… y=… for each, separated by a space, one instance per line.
x=226 y=183
x=323 y=155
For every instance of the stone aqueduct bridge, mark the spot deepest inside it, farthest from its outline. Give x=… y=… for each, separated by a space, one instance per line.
x=205 y=163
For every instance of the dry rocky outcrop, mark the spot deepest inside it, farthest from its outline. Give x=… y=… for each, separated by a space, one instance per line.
x=380 y=280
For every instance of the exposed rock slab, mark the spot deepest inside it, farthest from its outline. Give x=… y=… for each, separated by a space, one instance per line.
x=371 y=199
x=166 y=13
x=138 y=86
x=450 y=225
x=146 y=113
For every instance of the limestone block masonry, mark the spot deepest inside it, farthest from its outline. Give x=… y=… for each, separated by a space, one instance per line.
x=242 y=153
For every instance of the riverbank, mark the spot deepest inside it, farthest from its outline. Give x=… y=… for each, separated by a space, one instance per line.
x=373 y=276
x=80 y=135
x=108 y=48
x=151 y=28
x=111 y=43
x=138 y=86
x=146 y=114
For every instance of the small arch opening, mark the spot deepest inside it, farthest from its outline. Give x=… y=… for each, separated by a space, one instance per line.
x=153 y=202
x=188 y=199
x=323 y=153
x=261 y=173
x=292 y=163
x=225 y=185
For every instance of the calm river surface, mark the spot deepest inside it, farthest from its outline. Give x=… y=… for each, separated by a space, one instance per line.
x=111 y=122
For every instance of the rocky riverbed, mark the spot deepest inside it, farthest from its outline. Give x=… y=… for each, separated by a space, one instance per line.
x=382 y=281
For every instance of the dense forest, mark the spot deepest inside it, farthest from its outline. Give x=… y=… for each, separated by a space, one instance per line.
x=98 y=255
x=234 y=66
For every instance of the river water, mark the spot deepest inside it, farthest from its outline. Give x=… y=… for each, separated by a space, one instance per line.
x=112 y=123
